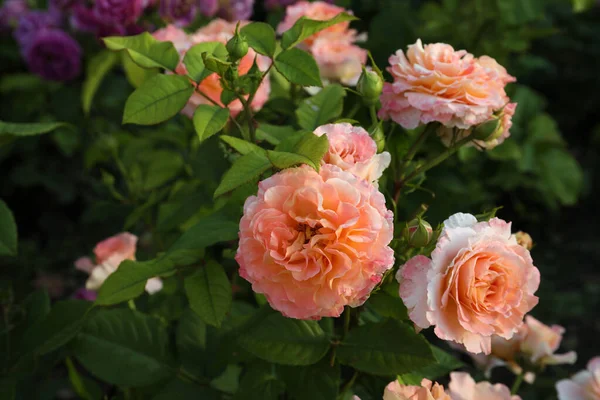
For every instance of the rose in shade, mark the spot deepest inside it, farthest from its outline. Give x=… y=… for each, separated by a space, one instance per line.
x=178 y=12
x=208 y=8
x=10 y=12
x=122 y=12
x=235 y=10
x=54 y=55
x=84 y=19
x=30 y=24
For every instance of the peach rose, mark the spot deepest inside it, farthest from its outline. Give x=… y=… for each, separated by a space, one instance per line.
x=314 y=242
x=584 y=385
x=218 y=30
x=463 y=387
x=427 y=391
x=338 y=58
x=317 y=10
x=352 y=149
x=110 y=253
x=540 y=341
x=437 y=83
x=479 y=282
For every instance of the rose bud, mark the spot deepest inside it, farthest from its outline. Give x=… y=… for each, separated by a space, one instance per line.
x=418 y=233
x=237 y=47
x=370 y=86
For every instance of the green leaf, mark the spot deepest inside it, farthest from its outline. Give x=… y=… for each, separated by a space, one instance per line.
x=286 y=341
x=388 y=305
x=209 y=293
x=298 y=67
x=130 y=278
x=78 y=384
x=159 y=167
x=124 y=347
x=316 y=382
x=135 y=74
x=158 y=99
x=191 y=342
x=244 y=169
x=146 y=51
x=259 y=382
x=194 y=63
x=180 y=390
x=386 y=348
x=30 y=129
x=241 y=146
x=61 y=325
x=444 y=364
x=261 y=37
x=97 y=69
x=321 y=108
x=306 y=144
x=284 y=160
x=215 y=64
x=209 y=120
x=273 y=133
x=8 y=231
x=305 y=28
x=562 y=174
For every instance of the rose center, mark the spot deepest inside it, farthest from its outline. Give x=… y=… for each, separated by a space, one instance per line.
x=308 y=231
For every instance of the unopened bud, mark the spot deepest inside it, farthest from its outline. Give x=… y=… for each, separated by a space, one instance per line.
x=369 y=86
x=418 y=233
x=237 y=47
x=487 y=130
x=524 y=239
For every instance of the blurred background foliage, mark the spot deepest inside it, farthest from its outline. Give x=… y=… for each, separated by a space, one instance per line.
x=71 y=188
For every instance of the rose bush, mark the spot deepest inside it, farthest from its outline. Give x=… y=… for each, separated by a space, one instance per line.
x=299 y=219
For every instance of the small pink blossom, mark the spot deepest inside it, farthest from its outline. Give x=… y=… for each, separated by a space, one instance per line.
x=353 y=150
x=314 y=242
x=478 y=283
x=427 y=391
x=463 y=387
x=437 y=83
x=584 y=385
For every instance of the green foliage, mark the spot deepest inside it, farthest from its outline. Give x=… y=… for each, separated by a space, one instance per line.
x=321 y=108
x=305 y=28
x=157 y=99
x=286 y=341
x=298 y=67
x=146 y=51
x=8 y=231
x=124 y=347
x=194 y=59
x=209 y=292
x=29 y=129
x=208 y=120
x=96 y=70
x=261 y=37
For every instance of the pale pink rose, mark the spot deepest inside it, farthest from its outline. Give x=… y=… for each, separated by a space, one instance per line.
x=584 y=385
x=437 y=83
x=540 y=341
x=479 y=282
x=338 y=58
x=177 y=36
x=463 y=387
x=352 y=149
x=427 y=391
x=317 y=10
x=110 y=253
x=217 y=30
x=314 y=242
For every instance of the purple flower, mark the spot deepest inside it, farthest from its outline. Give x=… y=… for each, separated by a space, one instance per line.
x=86 y=20
x=236 y=10
x=85 y=294
x=120 y=12
x=31 y=23
x=54 y=55
x=178 y=12
x=10 y=12
x=208 y=8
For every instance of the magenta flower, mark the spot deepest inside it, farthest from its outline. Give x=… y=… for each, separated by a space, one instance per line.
x=54 y=55
x=120 y=12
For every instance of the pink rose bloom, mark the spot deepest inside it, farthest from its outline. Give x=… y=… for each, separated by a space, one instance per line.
x=217 y=30
x=463 y=387
x=584 y=385
x=314 y=242
x=317 y=10
x=110 y=253
x=338 y=58
x=479 y=282
x=427 y=391
x=437 y=83
x=352 y=149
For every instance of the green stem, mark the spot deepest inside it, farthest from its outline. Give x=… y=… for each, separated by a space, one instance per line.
x=374 y=119
x=201 y=93
x=249 y=117
x=517 y=384
x=412 y=152
x=264 y=75
x=350 y=383
x=346 y=322
x=353 y=110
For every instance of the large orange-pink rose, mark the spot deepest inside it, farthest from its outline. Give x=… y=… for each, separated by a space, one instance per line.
x=436 y=83
x=479 y=282
x=463 y=387
x=584 y=385
x=314 y=242
x=427 y=391
x=217 y=30
x=353 y=150
x=109 y=254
